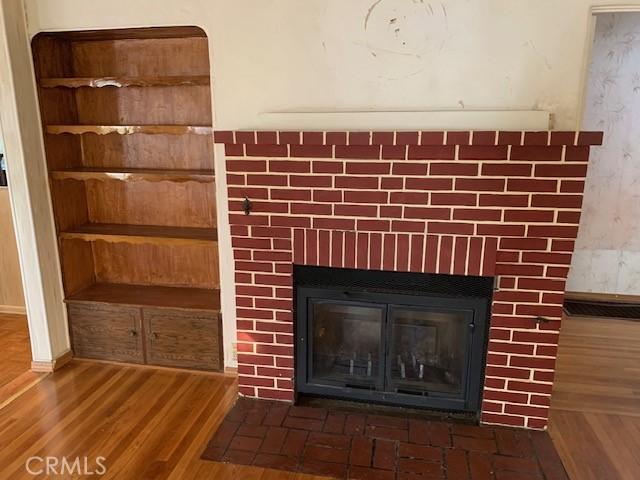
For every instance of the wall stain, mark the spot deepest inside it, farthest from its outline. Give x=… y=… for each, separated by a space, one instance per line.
x=369 y=12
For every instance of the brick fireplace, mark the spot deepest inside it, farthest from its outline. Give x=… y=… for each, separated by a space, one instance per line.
x=483 y=203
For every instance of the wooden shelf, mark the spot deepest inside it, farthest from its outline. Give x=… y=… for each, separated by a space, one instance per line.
x=130 y=129
x=156 y=234
x=148 y=296
x=119 y=82
x=133 y=174
x=133 y=133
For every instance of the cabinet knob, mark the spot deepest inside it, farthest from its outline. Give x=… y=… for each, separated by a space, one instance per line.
x=133 y=333
x=154 y=335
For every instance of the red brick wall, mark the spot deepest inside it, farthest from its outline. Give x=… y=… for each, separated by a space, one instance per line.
x=475 y=203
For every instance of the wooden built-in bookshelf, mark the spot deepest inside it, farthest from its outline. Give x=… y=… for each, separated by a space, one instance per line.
x=127 y=124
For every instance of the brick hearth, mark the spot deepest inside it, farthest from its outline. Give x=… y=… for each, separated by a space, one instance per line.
x=356 y=445
x=503 y=204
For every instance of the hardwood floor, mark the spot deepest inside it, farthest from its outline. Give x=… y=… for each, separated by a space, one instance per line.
x=146 y=422
x=595 y=406
x=155 y=423
x=15 y=356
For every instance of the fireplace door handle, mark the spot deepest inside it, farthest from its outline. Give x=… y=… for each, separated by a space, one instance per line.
x=472 y=327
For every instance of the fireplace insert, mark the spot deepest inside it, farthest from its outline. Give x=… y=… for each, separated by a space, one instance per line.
x=391 y=337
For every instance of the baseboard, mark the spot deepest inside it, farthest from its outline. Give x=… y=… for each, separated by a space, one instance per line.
x=56 y=364
x=223 y=373
x=602 y=297
x=13 y=309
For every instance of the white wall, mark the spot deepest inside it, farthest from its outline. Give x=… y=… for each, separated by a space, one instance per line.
x=28 y=186
x=274 y=55
x=607 y=257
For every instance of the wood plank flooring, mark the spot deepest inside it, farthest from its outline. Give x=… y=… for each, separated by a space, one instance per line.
x=15 y=356
x=154 y=423
x=595 y=406
x=146 y=422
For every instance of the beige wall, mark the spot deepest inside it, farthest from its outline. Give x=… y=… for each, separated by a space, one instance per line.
x=301 y=56
x=319 y=55
x=11 y=296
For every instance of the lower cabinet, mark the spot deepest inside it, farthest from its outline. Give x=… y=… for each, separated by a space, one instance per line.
x=158 y=336
x=178 y=338
x=106 y=332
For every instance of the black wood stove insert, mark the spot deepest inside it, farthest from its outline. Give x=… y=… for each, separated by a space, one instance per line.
x=398 y=338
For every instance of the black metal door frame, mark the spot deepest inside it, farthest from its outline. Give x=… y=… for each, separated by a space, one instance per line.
x=467 y=401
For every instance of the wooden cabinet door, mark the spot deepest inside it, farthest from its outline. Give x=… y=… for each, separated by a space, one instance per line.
x=183 y=338
x=106 y=332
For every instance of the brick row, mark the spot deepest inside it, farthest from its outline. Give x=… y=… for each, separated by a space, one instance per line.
x=422 y=138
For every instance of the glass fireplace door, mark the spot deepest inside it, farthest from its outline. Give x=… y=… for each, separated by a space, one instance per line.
x=428 y=350
x=347 y=344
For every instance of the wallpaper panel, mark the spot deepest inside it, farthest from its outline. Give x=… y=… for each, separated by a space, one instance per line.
x=607 y=256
